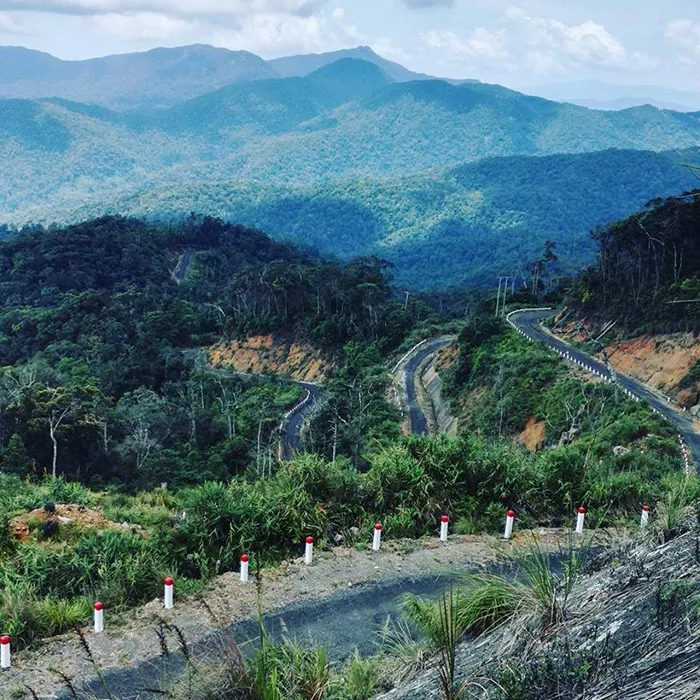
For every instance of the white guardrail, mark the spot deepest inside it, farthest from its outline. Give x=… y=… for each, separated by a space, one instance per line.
x=570 y=358
x=413 y=349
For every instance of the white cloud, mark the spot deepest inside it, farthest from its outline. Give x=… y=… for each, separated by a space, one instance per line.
x=8 y=24
x=189 y=8
x=423 y=4
x=684 y=33
x=547 y=46
x=278 y=34
x=554 y=46
x=481 y=43
x=143 y=26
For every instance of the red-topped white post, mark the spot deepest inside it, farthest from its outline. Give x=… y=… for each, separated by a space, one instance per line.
x=5 y=656
x=377 y=538
x=99 y=613
x=645 y=517
x=309 y=551
x=444 y=523
x=510 y=519
x=244 y=568
x=579 y=520
x=169 y=593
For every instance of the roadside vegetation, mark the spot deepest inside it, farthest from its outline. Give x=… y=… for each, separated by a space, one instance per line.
x=106 y=394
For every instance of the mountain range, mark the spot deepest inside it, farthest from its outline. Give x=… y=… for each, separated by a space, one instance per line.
x=596 y=94
x=161 y=77
x=353 y=156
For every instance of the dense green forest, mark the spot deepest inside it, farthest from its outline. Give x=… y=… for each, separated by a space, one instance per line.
x=345 y=121
x=647 y=270
x=105 y=376
x=463 y=227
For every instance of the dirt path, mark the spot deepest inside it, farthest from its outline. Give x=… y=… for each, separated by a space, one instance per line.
x=528 y=322
x=340 y=601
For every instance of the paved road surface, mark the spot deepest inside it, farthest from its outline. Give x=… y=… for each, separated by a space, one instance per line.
x=529 y=323
x=294 y=422
x=418 y=420
x=347 y=621
x=182 y=266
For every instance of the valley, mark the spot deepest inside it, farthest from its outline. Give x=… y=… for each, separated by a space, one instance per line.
x=391 y=380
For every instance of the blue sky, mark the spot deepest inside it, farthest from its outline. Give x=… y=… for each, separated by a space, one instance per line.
x=513 y=42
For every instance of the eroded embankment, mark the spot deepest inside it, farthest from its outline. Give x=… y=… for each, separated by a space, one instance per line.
x=417 y=387
x=267 y=354
x=662 y=362
x=430 y=391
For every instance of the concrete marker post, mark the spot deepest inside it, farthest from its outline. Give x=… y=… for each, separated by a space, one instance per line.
x=5 y=655
x=645 y=517
x=99 y=617
x=510 y=519
x=169 y=593
x=309 y=551
x=579 y=520
x=377 y=538
x=444 y=524
x=244 y=568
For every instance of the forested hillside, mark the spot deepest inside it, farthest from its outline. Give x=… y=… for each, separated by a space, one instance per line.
x=346 y=121
x=105 y=376
x=647 y=270
x=466 y=226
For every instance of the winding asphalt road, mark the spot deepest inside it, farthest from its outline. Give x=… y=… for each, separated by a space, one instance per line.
x=418 y=420
x=293 y=422
x=290 y=433
x=529 y=324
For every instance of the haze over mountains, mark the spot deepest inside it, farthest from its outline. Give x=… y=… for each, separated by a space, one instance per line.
x=160 y=77
x=599 y=95
x=353 y=155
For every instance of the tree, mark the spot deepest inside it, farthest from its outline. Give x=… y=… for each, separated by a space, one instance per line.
x=144 y=417
x=59 y=407
x=16 y=459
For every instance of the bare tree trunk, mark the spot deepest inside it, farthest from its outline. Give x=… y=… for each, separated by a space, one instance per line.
x=52 y=433
x=257 y=461
x=335 y=437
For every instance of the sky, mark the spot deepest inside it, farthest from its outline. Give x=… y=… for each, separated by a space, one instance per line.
x=518 y=43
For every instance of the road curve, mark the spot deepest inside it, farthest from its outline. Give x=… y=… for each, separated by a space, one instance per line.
x=294 y=419
x=418 y=421
x=527 y=322
x=342 y=623
x=293 y=422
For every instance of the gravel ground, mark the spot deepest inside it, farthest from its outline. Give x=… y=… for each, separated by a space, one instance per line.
x=341 y=601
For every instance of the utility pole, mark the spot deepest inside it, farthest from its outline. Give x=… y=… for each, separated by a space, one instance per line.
x=405 y=306
x=502 y=284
